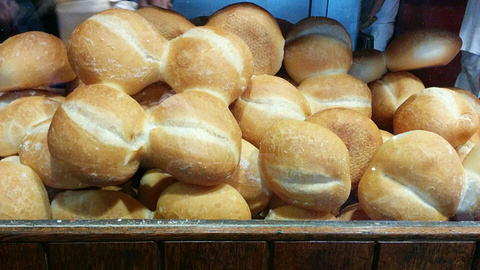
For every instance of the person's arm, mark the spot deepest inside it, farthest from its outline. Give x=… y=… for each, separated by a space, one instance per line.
x=370 y=18
x=159 y=3
x=376 y=6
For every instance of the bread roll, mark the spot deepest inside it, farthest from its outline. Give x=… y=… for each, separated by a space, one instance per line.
x=188 y=201
x=97 y=204
x=413 y=176
x=469 y=97
x=469 y=208
x=98 y=134
x=151 y=96
x=337 y=91
x=385 y=135
x=320 y=26
x=152 y=184
x=209 y=59
x=33 y=59
x=267 y=100
x=13 y=159
x=305 y=165
x=260 y=31
x=22 y=194
x=195 y=138
x=464 y=149
x=18 y=115
x=171 y=24
x=352 y=212
x=248 y=181
x=290 y=212
x=361 y=136
x=438 y=110
x=368 y=65
x=389 y=92
x=422 y=48
x=34 y=153
x=118 y=48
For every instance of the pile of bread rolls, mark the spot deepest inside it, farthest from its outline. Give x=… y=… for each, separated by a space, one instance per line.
x=166 y=120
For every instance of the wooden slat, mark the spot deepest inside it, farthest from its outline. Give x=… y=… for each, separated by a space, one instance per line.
x=125 y=255
x=425 y=255
x=322 y=255
x=22 y=256
x=215 y=255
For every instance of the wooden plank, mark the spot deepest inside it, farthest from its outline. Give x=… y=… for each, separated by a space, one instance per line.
x=425 y=255
x=322 y=255
x=215 y=255
x=22 y=256
x=115 y=255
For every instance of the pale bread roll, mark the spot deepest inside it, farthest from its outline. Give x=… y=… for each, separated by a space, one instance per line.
x=248 y=180
x=469 y=208
x=119 y=48
x=171 y=24
x=188 y=201
x=151 y=96
x=290 y=212
x=18 y=115
x=368 y=65
x=305 y=165
x=389 y=92
x=209 y=59
x=359 y=133
x=464 y=149
x=385 y=135
x=13 y=159
x=98 y=134
x=33 y=59
x=22 y=193
x=422 y=48
x=260 y=31
x=438 y=110
x=34 y=153
x=195 y=138
x=337 y=91
x=352 y=212
x=97 y=204
x=413 y=176
x=152 y=184
x=267 y=100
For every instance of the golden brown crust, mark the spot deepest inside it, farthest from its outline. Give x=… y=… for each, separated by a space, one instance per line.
x=152 y=184
x=260 y=31
x=361 y=136
x=438 y=110
x=337 y=91
x=368 y=65
x=352 y=212
x=267 y=100
x=469 y=208
x=33 y=59
x=422 y=48
x=305 y=165
x=413 y=176
x=195 y=138
x=385 y=135
x=188 y=201
x=464 y=149
x=320 y=26
x=97 y=204
x=290 y=212
x=469 y=97
x=171 y=24
x=151 y=96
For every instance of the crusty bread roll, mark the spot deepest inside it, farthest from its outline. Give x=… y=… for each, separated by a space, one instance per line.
x=422 y=48
x=171 y=24
x=438 y=110
x=248 y=180
x=151 y=96
x=260 y=31
x=413 y=176
x=469 y=97
x=352 y=212
x=34 y=153
x=464 y=149
x=385 y=135
x=18 y=115
x=195 y=138
x=389 y=92
x=97 y=204
x=33 y=59
x=118 y=48
x=469 y=208
x=98 y=134
x=368 y=65
x=209 y=59
x=305 y=165
x=188 y=201
x=359 y=133
x=22 y=193
x=13 y=159
x=152 y=184
x=267 y=99
x=320 y=26
x=337 y=91
x=290 y=212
